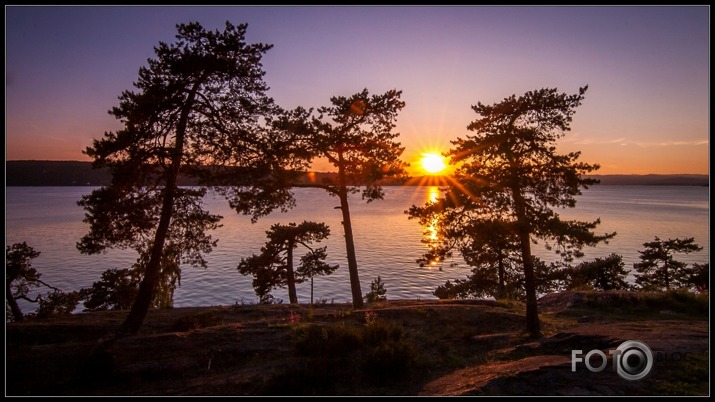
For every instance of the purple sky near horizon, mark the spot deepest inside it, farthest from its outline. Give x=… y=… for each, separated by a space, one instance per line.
x=647 y=68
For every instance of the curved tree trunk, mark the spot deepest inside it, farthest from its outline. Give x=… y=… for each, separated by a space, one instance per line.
x=142 y=302
x=12 y=302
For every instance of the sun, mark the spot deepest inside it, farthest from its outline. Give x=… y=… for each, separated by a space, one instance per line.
x=433 y=163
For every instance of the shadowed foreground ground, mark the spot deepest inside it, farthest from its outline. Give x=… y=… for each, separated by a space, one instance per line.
x=406 y=347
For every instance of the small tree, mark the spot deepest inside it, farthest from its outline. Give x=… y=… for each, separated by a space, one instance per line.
x=21 y=278
x=658 y=268
x=274 y=266
x=699 y=277
x=607 y=273
x=313 y=264
x=377 y=292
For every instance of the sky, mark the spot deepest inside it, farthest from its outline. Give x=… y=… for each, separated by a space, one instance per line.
x=646 y=110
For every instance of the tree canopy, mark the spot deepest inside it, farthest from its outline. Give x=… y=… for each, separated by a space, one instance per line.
x=273 y=267
x=658 y=268
x=509 y=171
x=200 y=108
x=608 y=273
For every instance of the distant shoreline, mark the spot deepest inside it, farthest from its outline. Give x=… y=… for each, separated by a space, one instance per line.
x=655 y=180
x=36 y=173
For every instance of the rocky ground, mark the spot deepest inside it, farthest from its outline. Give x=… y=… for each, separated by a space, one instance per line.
x=406 y=347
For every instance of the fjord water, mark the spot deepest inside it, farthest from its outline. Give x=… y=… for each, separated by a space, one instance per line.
x=387 y=242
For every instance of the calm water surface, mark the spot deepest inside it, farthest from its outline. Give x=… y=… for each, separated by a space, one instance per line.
x=387 y=242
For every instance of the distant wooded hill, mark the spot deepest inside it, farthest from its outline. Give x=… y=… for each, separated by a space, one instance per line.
x=76 y=173
x=655 y=179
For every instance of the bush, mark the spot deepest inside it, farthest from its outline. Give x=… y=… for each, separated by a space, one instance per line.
x=328 y=341
x=58 y=303
x=688 y=302
x=390 y=355
x=377 y=351
x=377 y=291
x=116 y=290
x=389 y=360
x=689 y=377
x=380 y=332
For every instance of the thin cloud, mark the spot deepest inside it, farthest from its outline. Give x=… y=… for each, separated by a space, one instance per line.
x=579 y=140
x=672 y=143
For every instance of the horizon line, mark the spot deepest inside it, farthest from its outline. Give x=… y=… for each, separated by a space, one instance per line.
x=426 y=175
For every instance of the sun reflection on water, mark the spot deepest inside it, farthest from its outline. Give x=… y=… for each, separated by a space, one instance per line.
x=431 y=231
